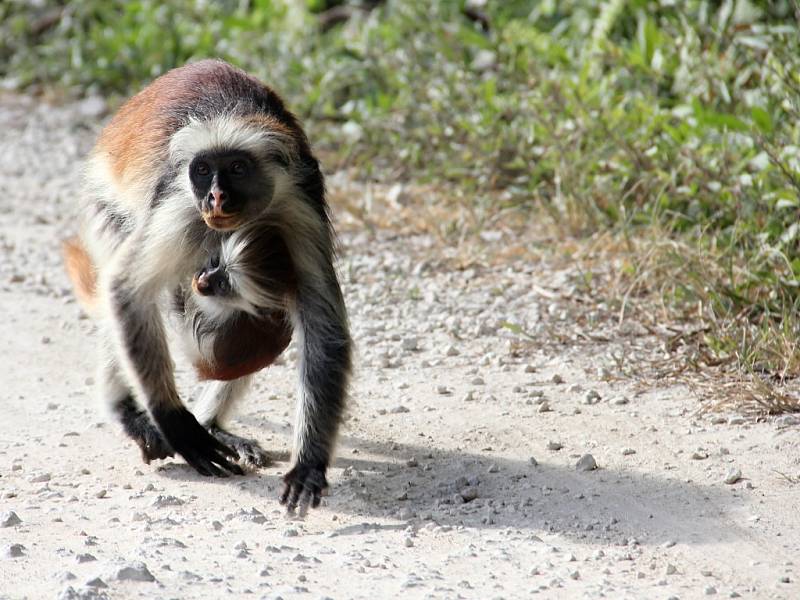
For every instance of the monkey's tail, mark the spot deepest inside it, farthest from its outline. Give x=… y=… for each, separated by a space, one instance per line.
x=82 y=272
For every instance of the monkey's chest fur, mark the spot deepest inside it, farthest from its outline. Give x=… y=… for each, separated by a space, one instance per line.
x=245 y=345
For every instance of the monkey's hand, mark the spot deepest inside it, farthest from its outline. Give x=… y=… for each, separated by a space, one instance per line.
x=303 y=486
x=195 y=444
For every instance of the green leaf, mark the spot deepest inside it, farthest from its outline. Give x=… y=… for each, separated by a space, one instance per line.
x=762 y=119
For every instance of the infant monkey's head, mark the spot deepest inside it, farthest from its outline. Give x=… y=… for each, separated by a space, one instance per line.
x=213 y=280
x=251 y=272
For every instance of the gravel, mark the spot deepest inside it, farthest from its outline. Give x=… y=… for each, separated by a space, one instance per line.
x=14 y=551
x=135 y=571
x=734 y=476
x=586 y=463
x=162 y=501
x=9 y=519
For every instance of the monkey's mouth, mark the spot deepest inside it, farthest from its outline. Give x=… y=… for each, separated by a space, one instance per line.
x=222 y=222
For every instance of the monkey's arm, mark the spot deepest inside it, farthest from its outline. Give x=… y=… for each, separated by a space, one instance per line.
x=325 y=346
x=138 y=330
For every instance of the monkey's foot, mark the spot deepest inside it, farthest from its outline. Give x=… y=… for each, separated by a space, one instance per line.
x=140 y=429
x=249 y=451
x=303 y=487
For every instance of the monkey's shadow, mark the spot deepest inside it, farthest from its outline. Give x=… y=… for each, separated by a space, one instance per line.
x=602 y=504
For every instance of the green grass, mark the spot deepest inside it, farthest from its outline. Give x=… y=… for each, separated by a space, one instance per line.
x=681 y=117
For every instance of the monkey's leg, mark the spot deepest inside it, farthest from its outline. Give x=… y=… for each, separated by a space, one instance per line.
x=135 y=421
x=215 y=403
x=140 y=343
x=324 y=342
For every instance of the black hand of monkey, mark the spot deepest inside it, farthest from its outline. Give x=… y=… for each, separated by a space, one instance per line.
x=192 y=441
x=302 y=487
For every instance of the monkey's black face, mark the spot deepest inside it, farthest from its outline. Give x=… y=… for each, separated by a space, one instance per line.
x=230 y=188
x=212 y=280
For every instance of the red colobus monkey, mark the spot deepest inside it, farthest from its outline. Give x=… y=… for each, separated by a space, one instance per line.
x=205 y=158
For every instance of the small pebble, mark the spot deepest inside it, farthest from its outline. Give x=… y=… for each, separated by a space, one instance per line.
x=442 y=389
x=533 y=462
x=592 y=397
x=136 y=571
x=628 y=451
x=733 y=476
x=14 y=551
x=544 y=407
x=451 y=351
x=96 y=583
x=493 y=468
x=557 y=379
x=410 y=344
x=162 y=500
x=9 y=519
x=468 y=494
x=84 y=558
x=670 y=570
x=554 y=445
x=710 y=590
x=586 y=463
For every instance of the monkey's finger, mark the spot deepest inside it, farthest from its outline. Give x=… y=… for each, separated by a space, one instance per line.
x=285 y=493
x=229 y=466
x=294 y=497
x=198 y=467
x=203 y=466
x=222 y=448
x=302 y=508
x=310 y=498
x=317 y=499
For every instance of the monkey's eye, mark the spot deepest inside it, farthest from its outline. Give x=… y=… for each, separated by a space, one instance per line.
x=223 y=286
x=202 y=169
x=238 y=168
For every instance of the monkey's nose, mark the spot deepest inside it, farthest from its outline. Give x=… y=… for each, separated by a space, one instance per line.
x=202 y=284
x=217 y=199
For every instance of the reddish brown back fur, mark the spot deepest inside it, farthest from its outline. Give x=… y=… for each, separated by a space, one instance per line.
x=81 y=272
x=137 y=138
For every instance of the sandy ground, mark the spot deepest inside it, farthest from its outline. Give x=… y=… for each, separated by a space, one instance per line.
x=456 y=472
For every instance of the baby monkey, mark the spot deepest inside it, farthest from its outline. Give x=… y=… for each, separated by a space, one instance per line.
x=247 y=284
